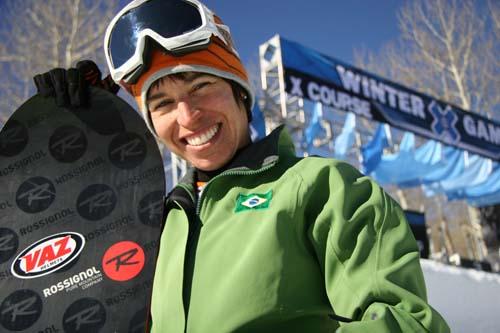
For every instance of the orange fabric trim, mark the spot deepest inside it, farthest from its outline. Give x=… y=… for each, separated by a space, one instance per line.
x=215 y=56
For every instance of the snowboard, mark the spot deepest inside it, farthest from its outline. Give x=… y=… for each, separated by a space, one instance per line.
x=81 y=206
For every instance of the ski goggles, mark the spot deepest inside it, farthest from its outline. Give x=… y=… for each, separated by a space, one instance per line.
x=178 y=26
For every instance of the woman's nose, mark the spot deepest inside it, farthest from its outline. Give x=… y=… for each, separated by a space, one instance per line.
x=188 y=114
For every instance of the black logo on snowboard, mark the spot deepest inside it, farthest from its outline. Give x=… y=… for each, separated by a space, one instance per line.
x=67 y=144
x=150 y=209
x=96 y=202
x=84 y=315
x=9 y=243
x=124 y=259
x=127 y=150
x=13 y=138
x=20 y=310
x=35 y=195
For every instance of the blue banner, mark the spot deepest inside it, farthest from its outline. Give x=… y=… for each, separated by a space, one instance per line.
x=373 y=150
x=257 y=125
x=346 y=139
x=319 y=78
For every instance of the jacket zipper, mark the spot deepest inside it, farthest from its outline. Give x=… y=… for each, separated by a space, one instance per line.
x=189 y=256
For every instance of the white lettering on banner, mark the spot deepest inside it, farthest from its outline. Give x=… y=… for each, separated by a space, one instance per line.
x=417 y=104
x=392 y=95
x=478 y=129
x=404 y=104
x=381 y=92
x=340 y=100
x=296 y=89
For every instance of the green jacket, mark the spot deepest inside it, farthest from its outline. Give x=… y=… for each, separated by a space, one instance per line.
x=279 y=243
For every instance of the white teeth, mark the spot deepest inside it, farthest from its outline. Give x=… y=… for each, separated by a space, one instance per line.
x=203 y=138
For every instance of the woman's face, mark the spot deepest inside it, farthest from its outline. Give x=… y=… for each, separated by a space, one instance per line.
x=198 y=118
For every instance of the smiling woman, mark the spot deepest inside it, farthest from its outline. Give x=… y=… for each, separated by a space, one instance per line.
x=198 y=117
x=255 y=238
x=250 y=225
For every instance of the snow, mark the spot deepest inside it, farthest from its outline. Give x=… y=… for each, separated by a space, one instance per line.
x=468 y=299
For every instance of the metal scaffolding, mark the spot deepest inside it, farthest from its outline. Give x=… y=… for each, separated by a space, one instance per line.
x=279 y=107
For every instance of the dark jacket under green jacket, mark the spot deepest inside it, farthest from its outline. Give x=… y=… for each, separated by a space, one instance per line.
x=278 y=243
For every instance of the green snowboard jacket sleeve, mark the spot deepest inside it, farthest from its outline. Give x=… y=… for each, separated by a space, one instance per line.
x=368 y=254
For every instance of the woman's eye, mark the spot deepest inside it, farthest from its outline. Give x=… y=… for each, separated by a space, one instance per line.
x=161 y=104
x=201 y=85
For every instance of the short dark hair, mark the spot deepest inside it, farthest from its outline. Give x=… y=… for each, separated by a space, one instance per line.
x=239 y=93
x=241 y=97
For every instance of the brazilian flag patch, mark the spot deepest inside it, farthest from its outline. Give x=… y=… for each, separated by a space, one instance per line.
x=253 y=201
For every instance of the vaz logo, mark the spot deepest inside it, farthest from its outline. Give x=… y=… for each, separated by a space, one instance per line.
x=96 y=202
x=67 y=144
x=48 y=255
x=84 y=315
x=20 y=310
x=127 y=151
x=444 y=123
x=35 y=195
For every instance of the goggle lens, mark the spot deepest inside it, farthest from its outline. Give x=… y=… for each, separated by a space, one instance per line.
x=167 y=18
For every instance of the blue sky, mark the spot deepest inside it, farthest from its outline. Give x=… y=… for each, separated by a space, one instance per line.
x=333 y=27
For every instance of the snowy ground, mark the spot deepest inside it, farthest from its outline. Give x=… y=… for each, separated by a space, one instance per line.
x=468 y=299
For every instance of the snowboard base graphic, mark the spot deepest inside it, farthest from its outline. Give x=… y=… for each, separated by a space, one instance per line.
x=81 y=205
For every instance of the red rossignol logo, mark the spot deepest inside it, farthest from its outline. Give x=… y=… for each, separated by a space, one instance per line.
x=48 y=255
x=123 y=261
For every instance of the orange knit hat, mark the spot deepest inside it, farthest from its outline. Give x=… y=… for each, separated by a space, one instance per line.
x=217 y=59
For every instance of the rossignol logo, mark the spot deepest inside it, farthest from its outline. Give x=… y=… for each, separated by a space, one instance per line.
x=123 y=261
x=83 y=280
x=46 y=221
x=125 y=295
x=140 y=178
x=127 y=150
x=8 y=244
x=114 y=226
x=35 y=195
x=96 y=202
x=150 y=209
x=67 y=144
x=13 y=138
x=22 y=163
x=253 y=201
x=80 y=170
x=20 y=310
x=84 y=315
x=48 y=255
